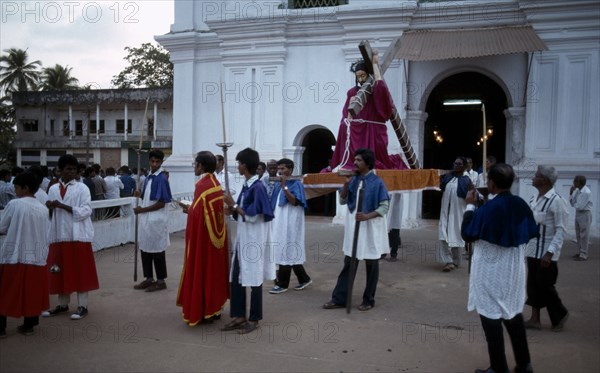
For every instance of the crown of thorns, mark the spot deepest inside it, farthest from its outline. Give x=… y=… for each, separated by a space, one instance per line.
x=359 y=65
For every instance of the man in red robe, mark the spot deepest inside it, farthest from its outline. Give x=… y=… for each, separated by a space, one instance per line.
x=368 y=129
x=204 y=286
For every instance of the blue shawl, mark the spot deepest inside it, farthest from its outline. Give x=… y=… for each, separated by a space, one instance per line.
x=295 y=187
x=374 y=192
x=256 y=201
x=505 y=221
x=463 y=184
x=159 y=189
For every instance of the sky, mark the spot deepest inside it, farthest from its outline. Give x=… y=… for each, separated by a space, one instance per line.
x=89 y=36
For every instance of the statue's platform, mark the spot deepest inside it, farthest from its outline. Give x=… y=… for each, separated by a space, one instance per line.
x=316 y=185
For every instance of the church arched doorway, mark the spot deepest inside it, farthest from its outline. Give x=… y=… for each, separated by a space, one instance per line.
x=317 y=152
x=455 y=130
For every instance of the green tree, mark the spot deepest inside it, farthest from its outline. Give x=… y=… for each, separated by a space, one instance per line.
x=58 y=78
x=149 y=66
x=7 y=133
x=16 y=73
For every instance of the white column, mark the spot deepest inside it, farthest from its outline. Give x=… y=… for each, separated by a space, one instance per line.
x=97 y=121
x=155 y=121
x=295 y=154
x=190 y=15
x=70 y=122
x=43 y=157
x=515 y=134
x=415 y=126
x=196 y=102
x=125 y=124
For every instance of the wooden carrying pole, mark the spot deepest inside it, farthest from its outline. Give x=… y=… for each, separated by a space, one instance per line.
x=353 y=261
x=137 y=199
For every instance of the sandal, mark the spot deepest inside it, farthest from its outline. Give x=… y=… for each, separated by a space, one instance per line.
x=248 y=327
x=233 y=325
x=331 y=305
x=533 y=325
x=448 y=267
x=364 y=307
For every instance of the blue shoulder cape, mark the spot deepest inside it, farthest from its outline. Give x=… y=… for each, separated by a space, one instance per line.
x=505 y=221
x=295 y=187
x=256 y=201
x=375 y=192
x=159 y=189
x=463 y=184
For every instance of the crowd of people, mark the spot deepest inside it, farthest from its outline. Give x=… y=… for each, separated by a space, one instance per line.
x=524 y=240
x=48 y=223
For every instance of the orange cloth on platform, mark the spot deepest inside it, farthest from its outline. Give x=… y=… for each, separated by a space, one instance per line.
x=394 y=180
x=204 y=285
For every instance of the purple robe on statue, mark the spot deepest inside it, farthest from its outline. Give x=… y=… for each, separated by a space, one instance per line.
x=378 y=108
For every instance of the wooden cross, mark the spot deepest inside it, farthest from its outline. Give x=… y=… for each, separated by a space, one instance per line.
x=354 y=107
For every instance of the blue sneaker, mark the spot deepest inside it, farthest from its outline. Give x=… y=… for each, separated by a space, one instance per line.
x=277 y=290
x=303 y=286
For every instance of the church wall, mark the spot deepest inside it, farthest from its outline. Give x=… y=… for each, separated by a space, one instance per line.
x=318 y=79
x=298 y=57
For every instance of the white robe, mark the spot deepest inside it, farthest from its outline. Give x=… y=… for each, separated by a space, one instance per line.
x=497 y=281
x=254 y=251
x=67 y=227
x=394 y=215
x=153 y=229
x=372 y=237
x=288 y=234
x=451 y=215
x=25 y=223
x=41 y=196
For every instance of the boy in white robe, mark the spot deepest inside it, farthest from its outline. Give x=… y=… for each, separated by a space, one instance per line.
x=153 y=223
x=288 y=203
x=251 y=261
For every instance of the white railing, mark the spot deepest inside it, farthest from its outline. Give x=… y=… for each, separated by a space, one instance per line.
x=114 y=221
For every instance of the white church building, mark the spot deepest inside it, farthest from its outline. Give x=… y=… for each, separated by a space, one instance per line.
x=280 y=72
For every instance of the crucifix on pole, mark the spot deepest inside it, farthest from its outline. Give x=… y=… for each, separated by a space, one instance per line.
x=366 y=90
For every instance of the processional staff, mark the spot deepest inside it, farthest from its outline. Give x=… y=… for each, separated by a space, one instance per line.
x=137 y=199
x=224 y=145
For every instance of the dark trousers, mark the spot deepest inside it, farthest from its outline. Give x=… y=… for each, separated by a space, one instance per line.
x=28 y=321
x=285 y=272
x=340 y=292
x=541 y=291
x=495 y=341
x=395 y=242
x=238 y=297
x=160 y=265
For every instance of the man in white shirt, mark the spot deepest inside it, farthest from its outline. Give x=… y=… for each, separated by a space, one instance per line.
x=489 y=162
x=7 y=190
x=220 y=174
x=113 y=184
x=271 y=172
x=473 y=175
x=551 y=214
x=580 y=198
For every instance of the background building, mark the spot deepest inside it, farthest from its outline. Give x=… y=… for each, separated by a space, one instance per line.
x=90 y=124
x=281 y=68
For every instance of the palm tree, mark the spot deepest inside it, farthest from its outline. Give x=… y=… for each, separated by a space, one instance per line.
x=58 y=78
x=16 y=74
